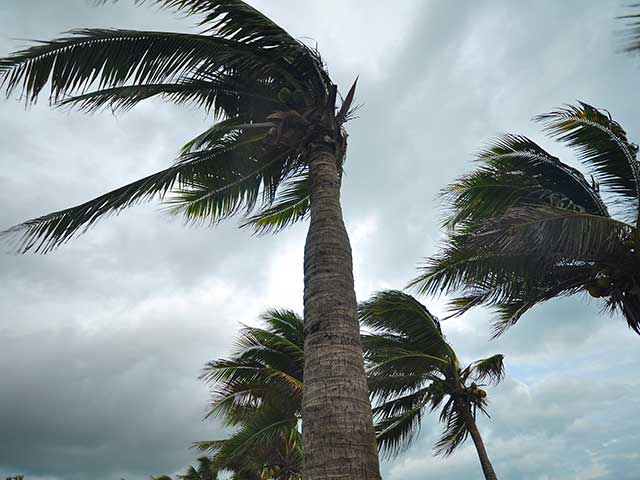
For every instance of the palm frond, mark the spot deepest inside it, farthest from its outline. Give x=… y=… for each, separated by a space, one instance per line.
x=104 y=58
x=397 y=313
x=632 y=30
x=490 y=369
x=460 y=265
x=291 y=206
x=236 y=20
x=602 y=145
x=517 y=171
x=223 y=94
x=229 y=167
x=256 y=172
x=385 y=387
x=551 y=232
x=395 y=433
x=455 y=431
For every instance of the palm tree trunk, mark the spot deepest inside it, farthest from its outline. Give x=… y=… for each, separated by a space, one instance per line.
x=337 y=433
x=470 y=422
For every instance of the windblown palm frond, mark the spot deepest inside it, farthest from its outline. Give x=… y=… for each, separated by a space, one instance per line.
x=516 y=171
x=270 y=94
x=406 y=320
x=412 y=370
x=602 y=145
x=490 y=369
x=526 y=228
x=632 y=31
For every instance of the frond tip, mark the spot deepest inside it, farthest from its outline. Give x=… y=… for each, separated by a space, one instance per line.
x=490 y=369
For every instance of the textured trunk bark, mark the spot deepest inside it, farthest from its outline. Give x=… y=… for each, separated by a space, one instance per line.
x=487 y=468
x=337 y=433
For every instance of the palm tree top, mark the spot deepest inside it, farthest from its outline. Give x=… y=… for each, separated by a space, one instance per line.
x=413 y=369
x=525 y=227
x=271 y=98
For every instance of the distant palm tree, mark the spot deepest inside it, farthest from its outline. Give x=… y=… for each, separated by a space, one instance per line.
x=274 y=155
x=414 y=370
x=258 y=392
x=525 y=227
x=206 y=471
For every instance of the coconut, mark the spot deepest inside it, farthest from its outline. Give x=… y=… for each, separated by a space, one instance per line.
x=596 y=291
x=284 y=95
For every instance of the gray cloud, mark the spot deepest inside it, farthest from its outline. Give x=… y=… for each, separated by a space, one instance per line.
x=103 y=340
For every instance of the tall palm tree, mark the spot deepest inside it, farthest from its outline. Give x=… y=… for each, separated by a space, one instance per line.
x=274 y=155
x=414 y=370
x=258 y=392
x=526 y=227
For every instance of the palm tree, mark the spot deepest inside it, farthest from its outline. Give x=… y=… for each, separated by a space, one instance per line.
x=413 y=370
x=274 y=155
x=526 y=227
x=258 y=392
x=206 y=471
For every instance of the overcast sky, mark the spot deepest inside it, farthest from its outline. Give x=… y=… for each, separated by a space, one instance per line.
x=101 y=342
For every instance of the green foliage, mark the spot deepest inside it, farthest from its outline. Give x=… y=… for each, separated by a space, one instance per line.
x=413 y=370
x=251 y=162
x=258 y=391
x=525 y=227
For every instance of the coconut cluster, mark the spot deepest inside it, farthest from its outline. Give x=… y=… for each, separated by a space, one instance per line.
x=475 y=392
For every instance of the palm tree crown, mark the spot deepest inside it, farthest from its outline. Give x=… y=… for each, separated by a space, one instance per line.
x=269 y=95
x=414 y=370
x=526 y=227
x=258 y=392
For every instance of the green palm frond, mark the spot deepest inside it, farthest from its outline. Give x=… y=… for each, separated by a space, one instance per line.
x=632 y=30
x=551 y=232
x=386 y=387
x=222 y=94
x=516 y=171
x=103 y=58
x=400 y=405
x=206 y=471
x=455 y=431
x=395 y=433
x=602 y=145
x=397 y=313
x=238 y=21
x=227 y=166
x=490 y=369
x=265 y=442
x=292 y=206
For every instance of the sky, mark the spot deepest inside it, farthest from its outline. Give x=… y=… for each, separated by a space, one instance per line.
x=102 y=341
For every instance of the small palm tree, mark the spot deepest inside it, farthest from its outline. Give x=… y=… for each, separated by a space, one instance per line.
x=206 y=470
x=414 y=370
x=258 y=391
x=526 y=227
x=274 y=155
